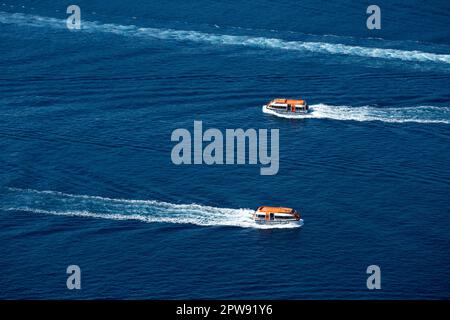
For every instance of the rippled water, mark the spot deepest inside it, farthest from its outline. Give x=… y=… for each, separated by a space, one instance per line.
x=86 y=176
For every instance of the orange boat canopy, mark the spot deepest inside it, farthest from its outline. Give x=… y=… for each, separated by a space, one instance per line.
x=275 y=209
x=290 y=101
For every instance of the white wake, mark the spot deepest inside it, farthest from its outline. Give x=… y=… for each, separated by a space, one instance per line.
x=234 y=40
x=149 y=211
x=420 y=114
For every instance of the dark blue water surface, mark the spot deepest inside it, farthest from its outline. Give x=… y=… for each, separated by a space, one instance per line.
x=86 y=176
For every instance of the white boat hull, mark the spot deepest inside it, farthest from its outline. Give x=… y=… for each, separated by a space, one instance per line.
x=285 y=111
x=277 y=222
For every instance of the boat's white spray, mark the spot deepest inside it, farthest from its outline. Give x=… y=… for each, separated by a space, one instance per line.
x=420 y=114
x=229 y=40
x=149 y=211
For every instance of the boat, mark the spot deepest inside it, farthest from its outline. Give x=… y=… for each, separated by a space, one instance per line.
x=276 y=215
x=288 y=106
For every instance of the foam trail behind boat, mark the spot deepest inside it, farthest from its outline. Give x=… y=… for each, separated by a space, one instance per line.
x=149 y=211
x=420 y=114
x=233 y=40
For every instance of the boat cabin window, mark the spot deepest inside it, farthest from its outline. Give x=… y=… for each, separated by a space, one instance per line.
x=261 y=216
x=272 y=215
x=279 y=107
x=283 y=217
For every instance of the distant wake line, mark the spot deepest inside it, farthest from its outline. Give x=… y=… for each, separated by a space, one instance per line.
x=149 y=211
x=422 y=114
x=220 y=39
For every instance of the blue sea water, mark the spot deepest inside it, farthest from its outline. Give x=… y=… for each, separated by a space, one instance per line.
x=86 y=176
